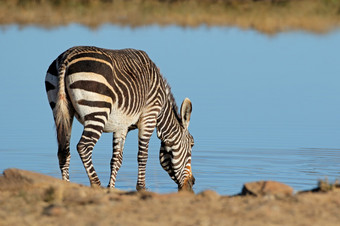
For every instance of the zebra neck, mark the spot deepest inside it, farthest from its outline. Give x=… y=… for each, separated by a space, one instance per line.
x=168 y=125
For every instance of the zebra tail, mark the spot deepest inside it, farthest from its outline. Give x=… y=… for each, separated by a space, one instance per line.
x=62 y=111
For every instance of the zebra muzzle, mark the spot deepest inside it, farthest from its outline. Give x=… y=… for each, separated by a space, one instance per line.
x=188 y=184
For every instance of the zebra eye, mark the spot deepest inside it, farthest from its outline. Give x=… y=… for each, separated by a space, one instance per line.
x=192 y=144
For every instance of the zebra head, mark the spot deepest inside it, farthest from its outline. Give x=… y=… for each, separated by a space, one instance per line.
x=175 y=156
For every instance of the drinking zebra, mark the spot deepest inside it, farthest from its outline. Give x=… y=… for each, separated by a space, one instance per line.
x=118 y=91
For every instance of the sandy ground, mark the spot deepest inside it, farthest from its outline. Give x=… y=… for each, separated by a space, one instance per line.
x=28 y=198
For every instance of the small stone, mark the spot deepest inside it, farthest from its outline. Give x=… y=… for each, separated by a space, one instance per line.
x=209 y=194
x=261 y=188
x=53 y=210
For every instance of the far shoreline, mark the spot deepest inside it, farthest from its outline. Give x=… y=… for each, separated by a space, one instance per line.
x=269 y=17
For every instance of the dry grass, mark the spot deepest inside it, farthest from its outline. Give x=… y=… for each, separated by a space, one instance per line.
x=268 y=16
x=325 y=185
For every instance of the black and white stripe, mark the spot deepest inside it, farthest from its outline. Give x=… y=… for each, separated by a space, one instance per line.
x=117 y=91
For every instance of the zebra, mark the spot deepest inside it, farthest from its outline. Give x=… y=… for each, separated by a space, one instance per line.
x=118 y=91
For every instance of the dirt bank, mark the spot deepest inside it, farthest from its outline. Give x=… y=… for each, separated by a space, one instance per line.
x=28 y=198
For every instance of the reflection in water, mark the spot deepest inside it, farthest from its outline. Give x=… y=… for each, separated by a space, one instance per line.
x=264 y=108
x=299 y=168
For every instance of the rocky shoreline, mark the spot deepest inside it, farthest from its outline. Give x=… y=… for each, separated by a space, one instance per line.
x=28 y=198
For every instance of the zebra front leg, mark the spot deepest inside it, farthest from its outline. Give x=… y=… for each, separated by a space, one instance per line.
x=117 y=155
x=89 y=138
x=143 y=145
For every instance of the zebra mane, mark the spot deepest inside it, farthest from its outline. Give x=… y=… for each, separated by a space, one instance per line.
x=171 y=98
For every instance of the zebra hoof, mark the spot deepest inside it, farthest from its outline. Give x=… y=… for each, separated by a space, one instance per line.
x=95 y=185
x=140 y=188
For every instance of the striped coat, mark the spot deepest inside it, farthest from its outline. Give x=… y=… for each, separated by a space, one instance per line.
x=117 y=91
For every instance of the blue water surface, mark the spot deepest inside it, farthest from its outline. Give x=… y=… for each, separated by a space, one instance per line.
x=264 y=107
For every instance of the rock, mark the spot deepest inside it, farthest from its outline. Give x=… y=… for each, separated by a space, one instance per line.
x=53 y=210
x=261 y=188
x=19 y=179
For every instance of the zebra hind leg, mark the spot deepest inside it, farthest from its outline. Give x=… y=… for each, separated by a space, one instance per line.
x=64 y=157
x=89 y=138
x=117 y=156
x=64 y=154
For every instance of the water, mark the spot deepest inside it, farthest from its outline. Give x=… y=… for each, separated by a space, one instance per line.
x=264 y=107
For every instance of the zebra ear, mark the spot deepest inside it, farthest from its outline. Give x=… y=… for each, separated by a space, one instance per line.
x=186 y=109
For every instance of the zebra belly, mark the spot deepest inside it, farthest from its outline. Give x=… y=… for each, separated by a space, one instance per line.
x=119 y=121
